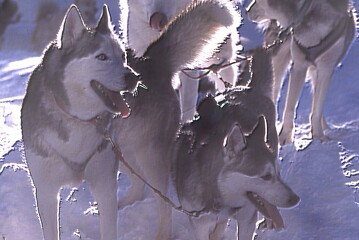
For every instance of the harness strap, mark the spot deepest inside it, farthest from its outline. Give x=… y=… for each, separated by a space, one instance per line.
x=313 y=52
x=120 y=157
x=298 y=17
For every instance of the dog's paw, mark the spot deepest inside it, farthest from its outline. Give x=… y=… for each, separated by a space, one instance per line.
x=285 y=137
x=322 y=138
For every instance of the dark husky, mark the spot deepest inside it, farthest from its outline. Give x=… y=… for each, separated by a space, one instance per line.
x=225 y=162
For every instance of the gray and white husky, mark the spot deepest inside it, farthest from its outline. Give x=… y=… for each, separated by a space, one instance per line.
x=225 y=162
x=321 y=33
x=146 y=19
x=70 y=100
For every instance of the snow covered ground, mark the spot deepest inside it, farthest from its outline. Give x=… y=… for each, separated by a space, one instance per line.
x=324 y=175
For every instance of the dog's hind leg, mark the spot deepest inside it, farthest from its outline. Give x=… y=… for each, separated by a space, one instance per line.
x=100 y=174
x=320 y=89
x=188 y=96
x=135 y=193
x=325 y=66
x=165 y=219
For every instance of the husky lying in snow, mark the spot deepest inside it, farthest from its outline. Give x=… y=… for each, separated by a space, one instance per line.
x=146 y=20
x=225 y=162
x=321 y=35
x=68 y=107
x=146 y=138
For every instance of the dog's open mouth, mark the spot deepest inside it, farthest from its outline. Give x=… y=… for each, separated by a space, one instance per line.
x=268 y=210
x=113 y=100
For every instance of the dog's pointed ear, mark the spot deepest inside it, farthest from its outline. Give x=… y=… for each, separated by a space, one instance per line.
x=104 y=24
x=260 y=130
x=71 y=28
x=235 y=141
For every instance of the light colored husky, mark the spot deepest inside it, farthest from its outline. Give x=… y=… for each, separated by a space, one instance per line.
x=66 y=112
x=321 y=33
x=225 y=162
x=146 y=20
x=147 y=137
x=49 y=17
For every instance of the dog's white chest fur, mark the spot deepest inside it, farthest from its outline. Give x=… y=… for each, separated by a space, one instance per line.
x=80 y=145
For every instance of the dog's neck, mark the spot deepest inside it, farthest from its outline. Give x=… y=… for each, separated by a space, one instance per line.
x=100 y=121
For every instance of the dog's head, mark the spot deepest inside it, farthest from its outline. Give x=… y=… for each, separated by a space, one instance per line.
x=262 y=10
x=250 y=173
x=88 y=67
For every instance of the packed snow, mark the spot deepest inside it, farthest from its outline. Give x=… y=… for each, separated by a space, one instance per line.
x=324 y=174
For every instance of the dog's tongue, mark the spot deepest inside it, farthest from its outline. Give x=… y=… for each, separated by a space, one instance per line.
x=268 y=210
x=121 y=105
x=112 y=99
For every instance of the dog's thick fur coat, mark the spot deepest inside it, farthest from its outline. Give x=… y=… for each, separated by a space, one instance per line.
x=146 y=20
x=66 y=113
x=225 y=162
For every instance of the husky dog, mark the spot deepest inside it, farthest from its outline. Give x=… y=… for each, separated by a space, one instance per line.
x=8 y=15
x=49 y=17
x=146 y=138
x=70 y=100
x=321 y=35
x=146 y=20
x=225 y=162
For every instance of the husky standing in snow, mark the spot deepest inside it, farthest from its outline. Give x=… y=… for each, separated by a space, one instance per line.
x=225 y=162
x=321 y=33
x=146 y=20
x=69 y=104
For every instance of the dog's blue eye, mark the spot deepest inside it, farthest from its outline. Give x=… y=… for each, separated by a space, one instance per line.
x=102 y=57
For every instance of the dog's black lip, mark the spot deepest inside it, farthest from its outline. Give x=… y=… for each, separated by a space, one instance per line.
x=104 y=94
x=258 y=203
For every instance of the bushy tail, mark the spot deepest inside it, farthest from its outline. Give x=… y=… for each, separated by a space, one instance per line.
x=194 y=34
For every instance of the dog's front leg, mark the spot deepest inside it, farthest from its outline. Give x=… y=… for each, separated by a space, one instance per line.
x=296 y=83
x=47 y=177
x=203 y=225
x=101 y=175
x=48 y=207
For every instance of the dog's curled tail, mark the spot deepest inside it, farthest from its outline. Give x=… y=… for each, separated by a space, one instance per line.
x=194 y=34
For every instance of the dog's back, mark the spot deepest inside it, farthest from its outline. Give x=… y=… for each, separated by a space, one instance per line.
x=257 y=75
